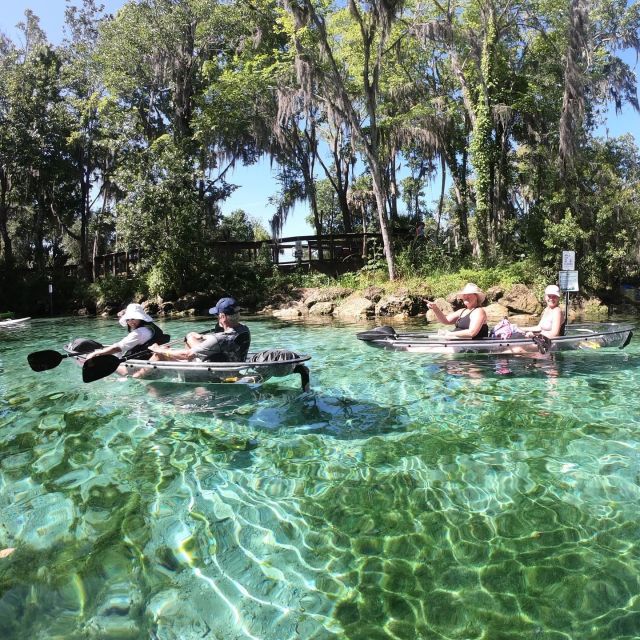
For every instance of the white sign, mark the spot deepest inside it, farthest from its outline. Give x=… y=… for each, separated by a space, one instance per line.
x=50 y=288
x=568 y=280
x=568 y=260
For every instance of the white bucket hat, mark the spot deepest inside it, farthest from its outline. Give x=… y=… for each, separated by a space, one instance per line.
x=552 y=290
x=471 y=288
x=134 y=311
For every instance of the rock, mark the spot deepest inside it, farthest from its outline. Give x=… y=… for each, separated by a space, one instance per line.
x=494 y=294
x=198 y=301
x=523 y=320
x=291 y=313
x=444 y=305
x=396 y=305
x=372 y=293
x=164 y=308
x=521 y=299
x=332 y=294
x=153 y=307
x=496 y=312
x=322 y=309
x=355 y=306
x=285 y=300
x=594 y=308
x=82 y=312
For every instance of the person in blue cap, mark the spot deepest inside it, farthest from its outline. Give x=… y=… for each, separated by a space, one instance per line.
x=229 y=343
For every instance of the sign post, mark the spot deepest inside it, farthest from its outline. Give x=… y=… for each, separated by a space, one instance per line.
x=568 y=279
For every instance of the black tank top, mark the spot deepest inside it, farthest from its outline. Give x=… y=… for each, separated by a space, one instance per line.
x=463 y=323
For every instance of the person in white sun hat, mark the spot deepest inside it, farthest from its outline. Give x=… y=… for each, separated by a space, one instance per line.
x=552 y=320
x=142 y=333
x=470 y=321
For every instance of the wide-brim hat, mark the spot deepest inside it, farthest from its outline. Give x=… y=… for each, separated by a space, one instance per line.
x=134 y=311
x=552 y=290
x=228 y=306
x=471 y=288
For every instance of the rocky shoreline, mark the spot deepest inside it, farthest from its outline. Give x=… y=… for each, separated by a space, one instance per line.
x=519 y=303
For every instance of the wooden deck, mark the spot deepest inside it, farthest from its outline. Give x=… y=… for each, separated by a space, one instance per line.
x=332 y=255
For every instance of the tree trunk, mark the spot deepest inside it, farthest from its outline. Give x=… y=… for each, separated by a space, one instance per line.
x=7 y=247
x=378 y=190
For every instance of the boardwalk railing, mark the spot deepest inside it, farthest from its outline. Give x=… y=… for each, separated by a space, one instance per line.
x=330 y=254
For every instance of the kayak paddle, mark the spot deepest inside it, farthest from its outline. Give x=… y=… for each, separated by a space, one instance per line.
x=45 y=360
x=101 y=366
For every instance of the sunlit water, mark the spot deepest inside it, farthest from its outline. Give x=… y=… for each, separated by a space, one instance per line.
x=405 y=496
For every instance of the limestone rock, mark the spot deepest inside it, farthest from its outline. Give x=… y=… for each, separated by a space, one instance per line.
x=355 y=306
x=496 y=312
x=494 y=294
x=521 y=300
x=332 y=294
x=372 y=293
x=291 y=313
x=523 y=320
x=593 y=308
x=200 y=301
x=396 y=305
x=322 y=309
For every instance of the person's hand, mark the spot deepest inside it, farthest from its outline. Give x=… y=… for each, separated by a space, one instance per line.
x=154 y=348
x=432 y=305
x=529 y=334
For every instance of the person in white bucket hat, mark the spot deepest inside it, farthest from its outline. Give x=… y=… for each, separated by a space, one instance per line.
x=551 y=322
x=142 y=333
x=470 y=321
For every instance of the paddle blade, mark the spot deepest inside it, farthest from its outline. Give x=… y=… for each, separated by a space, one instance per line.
x=99 y=367
x=377 y=334
x=44 y=360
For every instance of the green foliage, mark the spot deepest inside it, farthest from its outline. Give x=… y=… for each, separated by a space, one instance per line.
x=115 y=290
x=123 y=135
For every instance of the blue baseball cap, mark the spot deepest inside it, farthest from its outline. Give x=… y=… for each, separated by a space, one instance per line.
x=224 y=305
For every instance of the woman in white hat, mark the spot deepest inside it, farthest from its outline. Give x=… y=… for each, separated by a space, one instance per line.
x=142 y=333
x=551 y=322
x=470 y=321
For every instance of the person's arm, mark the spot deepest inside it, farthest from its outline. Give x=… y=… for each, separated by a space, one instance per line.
x=105 y=351
x=170 y=354
x=477 y=318
x=133 y=338
x=444 y=319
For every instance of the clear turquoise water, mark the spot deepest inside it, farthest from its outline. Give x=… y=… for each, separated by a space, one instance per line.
x=403 y=497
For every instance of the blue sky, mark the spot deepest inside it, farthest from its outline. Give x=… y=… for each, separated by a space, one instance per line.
x=256 y=183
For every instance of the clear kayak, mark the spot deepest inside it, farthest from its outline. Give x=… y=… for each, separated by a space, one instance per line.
x=13 y=323
x=589 y=336
x=257 y=368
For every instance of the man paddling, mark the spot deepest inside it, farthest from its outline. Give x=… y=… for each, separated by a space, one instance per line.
x=229 y=344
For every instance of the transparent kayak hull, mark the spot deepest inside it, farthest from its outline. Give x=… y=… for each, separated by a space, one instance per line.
x=13 y=323
x=583 y=336
x=248 y=372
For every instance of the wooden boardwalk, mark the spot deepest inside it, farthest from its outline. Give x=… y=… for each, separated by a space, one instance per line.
x=332 y=254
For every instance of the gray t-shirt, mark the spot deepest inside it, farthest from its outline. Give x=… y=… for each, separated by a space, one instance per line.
x=230 y=345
